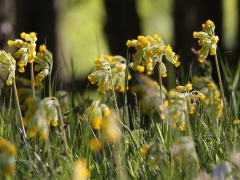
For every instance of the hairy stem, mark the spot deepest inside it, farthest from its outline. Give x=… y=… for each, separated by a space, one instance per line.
x=221 y=89
x=33 y=96
x=63 y=130
x=21 y=119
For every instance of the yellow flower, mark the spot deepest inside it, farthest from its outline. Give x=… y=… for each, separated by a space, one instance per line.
x=43 y=135
x=10 y=43
x=17 y=55
x=94 y=145
x=32 y=35
x=30 y=57
x=144 y=150
x=80 y=171
x=105 y=110
x=207 y=40
x=195 y=34
x=210 y=86
x=182 y=128
x=236 y=122
x=9 y=82
x=54 y=122
x=3 y=143
x=42 y=48
x=214 y=39
x=40 y=77
x=191 y=109
x=11 y=149
x=177 y=63
x=8 y=170
x=96 y=123
x=129 y=43
x=164 y=74
x=21 y=69
x=23 y=35
x=149 y=52
x=188 y=87
x=202 y=96
x=33 y=131
x=153 y=164
x=168 y=48
x=180 y=88
x=163 y=117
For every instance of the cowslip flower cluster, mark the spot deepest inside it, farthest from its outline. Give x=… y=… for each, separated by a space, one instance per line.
x=27 y=49
x=148 y=92
x=44 y=64
x=109 y=71
x=80 y=171
x=63 y=99
x=181 y=100
x=153 y=153
x=184 y=148
x=95 y=113
x=212 y=103
x=7 y=159
x=26 y=53
x=110 y=133
x=207 y=40
x=192 y=95
x=9 y=66
x=41 y=114
x=94 y=144
x=150 y=51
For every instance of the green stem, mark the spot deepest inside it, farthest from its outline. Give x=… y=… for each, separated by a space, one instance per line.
x=33 y=96
x=63 y=130
x=114 y=95
x=21 y=119
x=32 y=80
x=49 y=85
x=160 y=83
x=190 y=131
x=221 y=88
x=49 y=152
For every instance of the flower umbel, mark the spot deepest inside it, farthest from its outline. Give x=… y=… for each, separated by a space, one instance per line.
x=107 y=69
x=95 y=113
x=7 y=159
x=150 y=51
x=27 y=49
x=9 y=64
x=207 y=40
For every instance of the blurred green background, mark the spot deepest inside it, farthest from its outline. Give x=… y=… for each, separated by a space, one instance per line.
x=83 y=39
x=82 y=29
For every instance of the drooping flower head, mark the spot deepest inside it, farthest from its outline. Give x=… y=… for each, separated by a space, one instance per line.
x=150 y=51
x=41 y=114
x=9 y=64
x=212 y=103
x=26 y=53
x=95 y=113
x=207 y=40
x=107 y=69
x=7 y=159
x=80 y=171
x=44 y=64
x=26 y=49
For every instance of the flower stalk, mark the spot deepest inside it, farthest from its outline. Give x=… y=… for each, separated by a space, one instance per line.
x=21 y=119
x=221 y=88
